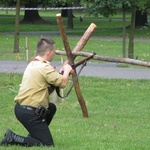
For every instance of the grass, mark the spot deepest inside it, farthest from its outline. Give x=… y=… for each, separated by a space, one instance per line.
x=103 y=47
x=105 y=27
x=103 y=40
x=118 y=115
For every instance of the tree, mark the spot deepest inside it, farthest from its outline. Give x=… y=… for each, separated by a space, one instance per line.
x=110 y=7
x=139 y=5
x=124 y=31
x=16 y=37
x=66 y=12
x=30 y=16
x=131 y=37
x=141 y=18
x=33 y=17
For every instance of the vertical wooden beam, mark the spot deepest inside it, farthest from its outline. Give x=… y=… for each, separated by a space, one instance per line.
x=65 y=39
x=27 y=50
x=71 y=61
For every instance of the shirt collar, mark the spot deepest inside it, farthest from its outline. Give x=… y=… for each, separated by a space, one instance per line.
x=41 y=59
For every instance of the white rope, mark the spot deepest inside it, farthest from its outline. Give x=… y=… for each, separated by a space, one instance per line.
x=50 y=8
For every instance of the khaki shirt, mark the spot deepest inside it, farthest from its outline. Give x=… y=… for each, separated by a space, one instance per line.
x=33 y=90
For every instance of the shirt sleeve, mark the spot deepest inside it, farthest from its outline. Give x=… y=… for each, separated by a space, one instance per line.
x=52 y=76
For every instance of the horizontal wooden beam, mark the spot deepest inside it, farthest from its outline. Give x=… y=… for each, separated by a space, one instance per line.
x=108 y=59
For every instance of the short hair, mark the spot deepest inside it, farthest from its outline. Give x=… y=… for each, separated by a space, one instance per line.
x=43 y=45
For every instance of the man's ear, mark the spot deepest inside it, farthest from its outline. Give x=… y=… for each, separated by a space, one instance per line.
x=48 y=52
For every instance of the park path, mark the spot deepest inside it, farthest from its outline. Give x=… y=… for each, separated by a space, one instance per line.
x=47 y=33
x=104 y=70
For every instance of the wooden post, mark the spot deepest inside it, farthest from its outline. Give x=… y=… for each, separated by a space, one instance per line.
x=64 y=38
x=27 y=50
x=71 y=61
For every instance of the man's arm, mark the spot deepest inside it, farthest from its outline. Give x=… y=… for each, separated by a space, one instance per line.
x=66 y=71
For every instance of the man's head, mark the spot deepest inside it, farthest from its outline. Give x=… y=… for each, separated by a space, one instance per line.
x=46 y=48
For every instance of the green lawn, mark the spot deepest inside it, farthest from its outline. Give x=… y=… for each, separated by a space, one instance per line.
x=103 y=40
x=118 y=115
x=103 y=47
x=118 y=109
x=105 y=27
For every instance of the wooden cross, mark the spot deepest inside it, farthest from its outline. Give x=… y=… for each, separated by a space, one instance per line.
x=79 y=46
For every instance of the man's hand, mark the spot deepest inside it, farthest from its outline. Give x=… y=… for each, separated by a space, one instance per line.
x=66 y=70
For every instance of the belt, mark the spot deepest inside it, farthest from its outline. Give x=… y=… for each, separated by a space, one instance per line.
x=26 y=107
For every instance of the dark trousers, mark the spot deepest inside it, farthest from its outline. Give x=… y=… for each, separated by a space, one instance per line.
x=39 y=133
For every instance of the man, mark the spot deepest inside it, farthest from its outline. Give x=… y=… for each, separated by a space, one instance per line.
x=33 y=108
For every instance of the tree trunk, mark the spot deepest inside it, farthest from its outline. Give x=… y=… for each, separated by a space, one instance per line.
x=32 y=16
x=141 y=18
x=64 y=12
x=131 y=36
x=124 y=32
x=16 y=38
x=70 y=18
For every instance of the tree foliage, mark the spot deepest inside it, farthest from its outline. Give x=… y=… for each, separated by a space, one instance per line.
x=110 y=7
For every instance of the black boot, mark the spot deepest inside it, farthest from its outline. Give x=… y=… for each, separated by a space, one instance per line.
x=13 y=139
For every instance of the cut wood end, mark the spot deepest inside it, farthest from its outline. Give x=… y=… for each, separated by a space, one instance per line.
x=58 y=15
x=94 y=25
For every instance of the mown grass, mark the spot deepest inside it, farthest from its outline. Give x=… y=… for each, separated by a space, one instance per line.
x=105 y=26
x=118 y=115
x=103 y=47
x=108 y=45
